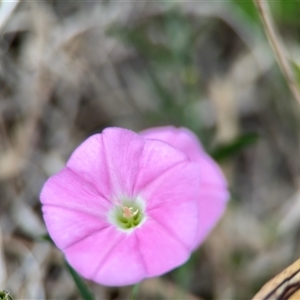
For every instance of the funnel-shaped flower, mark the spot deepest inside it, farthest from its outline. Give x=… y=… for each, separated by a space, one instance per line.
x=213 y=186
x=127 y=206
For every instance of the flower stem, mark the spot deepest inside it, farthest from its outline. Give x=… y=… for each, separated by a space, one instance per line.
x=134 y=291
x=81 y=285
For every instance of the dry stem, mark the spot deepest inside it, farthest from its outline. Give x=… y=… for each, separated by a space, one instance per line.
x=278 y=47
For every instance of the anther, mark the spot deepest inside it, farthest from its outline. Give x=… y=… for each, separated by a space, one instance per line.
x=128 y=213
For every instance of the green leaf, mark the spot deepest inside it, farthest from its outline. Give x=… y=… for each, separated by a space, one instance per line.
x=247 y=7
x=286 y=12
x=296 y=68
x=45 y=237
x=81 y=285
x=225 y=151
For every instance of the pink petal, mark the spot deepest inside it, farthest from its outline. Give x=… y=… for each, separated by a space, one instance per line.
x=89 y=162
x=67 y=227
x=109 y=257
x=123 y=149
x=180 y=220
x=181 y=138
x=211 y=208
x=156 y=159
x=213 y=186
x=109 y=161
x=67 y=190
x=172 y=200
x=161 y=252
x=186 y=141
x=176 y=185
x=124 y=264
x=211 y=174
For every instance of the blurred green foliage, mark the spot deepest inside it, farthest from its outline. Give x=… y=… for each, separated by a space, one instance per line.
x=247 y=7
x=286 y=12
x=171 y=69
x=224 y=151
x=296 y=68
x=172 y=72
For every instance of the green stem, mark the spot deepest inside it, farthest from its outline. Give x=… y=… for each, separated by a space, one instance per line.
x=134 y=291
x=81 y=285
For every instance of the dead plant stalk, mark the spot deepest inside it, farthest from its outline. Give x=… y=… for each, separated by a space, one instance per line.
x=278 y=47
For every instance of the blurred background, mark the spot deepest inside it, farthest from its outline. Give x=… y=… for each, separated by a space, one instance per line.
x=69 y=69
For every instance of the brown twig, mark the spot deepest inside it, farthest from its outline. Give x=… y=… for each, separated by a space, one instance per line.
x=278 y=47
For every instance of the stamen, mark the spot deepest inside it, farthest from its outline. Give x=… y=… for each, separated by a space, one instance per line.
x=128 y=213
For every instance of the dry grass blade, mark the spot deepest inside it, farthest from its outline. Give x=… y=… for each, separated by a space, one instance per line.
x=278 y=48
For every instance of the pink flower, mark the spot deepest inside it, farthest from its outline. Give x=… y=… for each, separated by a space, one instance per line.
x=131 y=206
x=213 y=186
